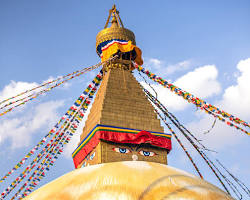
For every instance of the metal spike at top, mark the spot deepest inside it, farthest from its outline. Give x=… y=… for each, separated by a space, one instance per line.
x=116 y=20
x=116 y=30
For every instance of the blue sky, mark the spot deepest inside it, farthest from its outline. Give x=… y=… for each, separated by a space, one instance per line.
x=203 y=47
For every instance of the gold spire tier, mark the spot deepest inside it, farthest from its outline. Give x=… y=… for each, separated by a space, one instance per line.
x=120 y=104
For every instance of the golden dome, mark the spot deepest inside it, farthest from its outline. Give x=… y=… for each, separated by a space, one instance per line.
x=130 y=180
x=116 y=31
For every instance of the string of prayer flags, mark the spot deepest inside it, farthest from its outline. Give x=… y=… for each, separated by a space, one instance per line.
x=62 y=136
x=158 y=104
x=66 y=116
x=53 y=81
x=54 y=152
x=180 y=143
x=35 y=95
x=199 y=103
x=24 y=100
x=42 y=85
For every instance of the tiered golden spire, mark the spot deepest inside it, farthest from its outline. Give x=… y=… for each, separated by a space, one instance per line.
x=119 y=104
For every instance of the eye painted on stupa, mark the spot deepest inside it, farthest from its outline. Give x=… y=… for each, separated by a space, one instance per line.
x=121 y=150
x=147 y=153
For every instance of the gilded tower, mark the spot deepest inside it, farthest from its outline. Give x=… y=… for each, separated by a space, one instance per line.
x=120 y=106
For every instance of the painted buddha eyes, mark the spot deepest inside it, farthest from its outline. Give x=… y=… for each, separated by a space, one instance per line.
x=121 y=150
x=141 y=152
x=147 y=153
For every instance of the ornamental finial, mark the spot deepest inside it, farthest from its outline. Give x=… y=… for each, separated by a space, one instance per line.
x=115 y=31
x=116 y=20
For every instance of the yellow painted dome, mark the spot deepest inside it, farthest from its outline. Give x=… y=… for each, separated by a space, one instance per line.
x=128 y=180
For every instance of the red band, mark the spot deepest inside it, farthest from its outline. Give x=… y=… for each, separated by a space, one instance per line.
x=118 y=137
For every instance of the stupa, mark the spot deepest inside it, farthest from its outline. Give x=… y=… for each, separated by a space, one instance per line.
x=121 y=118
x=122 y=153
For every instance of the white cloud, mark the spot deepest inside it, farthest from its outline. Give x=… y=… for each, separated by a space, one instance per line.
x=184 y=65
x=201 y=82
x=170 y=100
x=160 y=67
x=15 y=88
x=221 y=136
x=19 y=130
x=155 y=62
x=235 y=100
